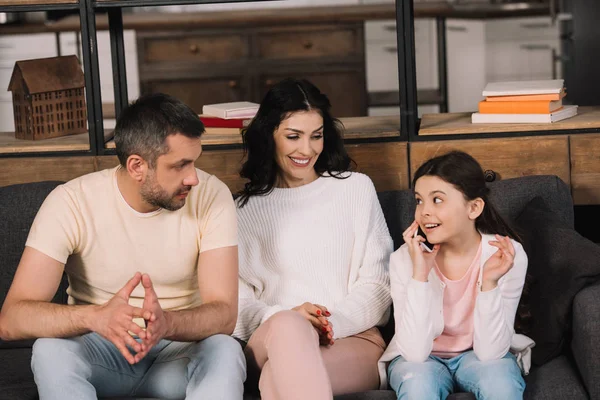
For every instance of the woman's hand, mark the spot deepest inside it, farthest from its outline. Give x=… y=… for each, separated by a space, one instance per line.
x=422 y=260
x=499 y=263
x=317 y=315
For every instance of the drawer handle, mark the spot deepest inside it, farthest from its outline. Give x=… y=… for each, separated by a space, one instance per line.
x=391 y=49
x=490 y=175
x=193 y=48
x=457 y=28
x=391 y=28
x=536 y=25
x=535 y=47
x=233 y=84
x=307 y=45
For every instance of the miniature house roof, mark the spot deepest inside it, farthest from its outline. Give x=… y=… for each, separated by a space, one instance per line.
x=47 y=74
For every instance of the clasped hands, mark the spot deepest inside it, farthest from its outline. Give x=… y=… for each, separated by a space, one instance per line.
x=114 y=320
x=318 y=315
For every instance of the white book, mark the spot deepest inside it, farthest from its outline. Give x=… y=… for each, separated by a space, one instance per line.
x=238 y=109
x=519 y=88
x=563 y=113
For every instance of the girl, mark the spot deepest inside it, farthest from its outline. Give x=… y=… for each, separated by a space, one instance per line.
x=455 y=306
x=314 y=250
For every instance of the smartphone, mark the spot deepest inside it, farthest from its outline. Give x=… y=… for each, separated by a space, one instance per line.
x=425 y=245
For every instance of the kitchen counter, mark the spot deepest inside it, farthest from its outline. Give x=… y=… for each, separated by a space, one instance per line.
x=338 y=14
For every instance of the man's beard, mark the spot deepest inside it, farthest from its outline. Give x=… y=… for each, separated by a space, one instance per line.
x=152 y=193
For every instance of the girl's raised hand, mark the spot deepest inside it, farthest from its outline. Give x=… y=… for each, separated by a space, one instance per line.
x=422 y=260
x=499 y=263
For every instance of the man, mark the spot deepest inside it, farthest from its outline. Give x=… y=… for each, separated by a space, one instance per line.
x=150 y=250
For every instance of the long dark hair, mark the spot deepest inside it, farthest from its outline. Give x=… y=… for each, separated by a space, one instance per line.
x=288 y=96
x=464 y=172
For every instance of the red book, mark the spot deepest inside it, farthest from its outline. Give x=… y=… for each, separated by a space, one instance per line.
x=216 y=122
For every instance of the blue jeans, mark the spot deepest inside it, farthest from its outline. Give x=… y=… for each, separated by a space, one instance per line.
x=89 y=366
x=437 y=378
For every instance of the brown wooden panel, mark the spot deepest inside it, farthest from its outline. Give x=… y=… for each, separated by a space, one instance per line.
x=346 y=90
x=585 y=168
x=198 y=92
x=308 y=43
x=194 y=48
x=385 y=163
x=508 y=157
x=37 y=169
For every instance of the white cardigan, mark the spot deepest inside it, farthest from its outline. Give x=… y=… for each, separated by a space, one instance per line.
x=419 y=311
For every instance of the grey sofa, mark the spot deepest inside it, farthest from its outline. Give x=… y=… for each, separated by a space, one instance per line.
x=570 y=375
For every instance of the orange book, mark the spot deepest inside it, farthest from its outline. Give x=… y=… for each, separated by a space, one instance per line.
x=519 y=107
x=529 y=97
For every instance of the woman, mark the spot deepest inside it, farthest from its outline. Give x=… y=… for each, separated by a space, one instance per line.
x=314 y=250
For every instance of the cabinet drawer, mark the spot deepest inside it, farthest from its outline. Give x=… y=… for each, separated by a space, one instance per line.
x=521 y=28
x=302 y=44
x=585 y=168
x=198 y=92
x=506 y=157
x=24 y=47
x=345 y=89
x=193 y=48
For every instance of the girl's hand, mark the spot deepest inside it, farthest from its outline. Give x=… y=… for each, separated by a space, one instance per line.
x=422 y=260
x=499 y=263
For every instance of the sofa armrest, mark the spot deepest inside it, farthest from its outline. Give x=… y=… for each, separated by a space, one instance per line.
x=586 y=337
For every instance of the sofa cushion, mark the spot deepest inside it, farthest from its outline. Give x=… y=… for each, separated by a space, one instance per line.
x=561 y=263
x=17 y=384
x=19 y=205
x=554 y=380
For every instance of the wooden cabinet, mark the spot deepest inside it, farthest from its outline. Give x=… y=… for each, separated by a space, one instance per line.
x=504 y=158
x=223 y=65
x=585 y=168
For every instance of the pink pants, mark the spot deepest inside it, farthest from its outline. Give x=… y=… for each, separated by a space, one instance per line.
x=285 y=353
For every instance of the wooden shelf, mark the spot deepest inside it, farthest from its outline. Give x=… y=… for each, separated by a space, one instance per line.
x=588 y=118
x=356 y=128
x=9 y=144
x=36 y=2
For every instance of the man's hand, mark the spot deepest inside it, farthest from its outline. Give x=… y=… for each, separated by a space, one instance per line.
x=114 y=320
x=317 y=315
x=157 y=324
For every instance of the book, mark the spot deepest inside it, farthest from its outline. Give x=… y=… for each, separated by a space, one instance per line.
x=223 y=131
x=564 y=113
x=515 y=88
x=519 y=107
x=216 y=122
x=238 y=109
x=529 y=97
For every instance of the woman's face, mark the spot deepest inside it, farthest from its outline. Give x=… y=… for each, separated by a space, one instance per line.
x=298 y=144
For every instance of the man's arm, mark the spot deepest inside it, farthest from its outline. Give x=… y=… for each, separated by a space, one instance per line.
x=27 y=312
x=218 y=286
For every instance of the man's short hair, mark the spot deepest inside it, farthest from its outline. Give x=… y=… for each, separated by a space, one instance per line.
x=145 y=124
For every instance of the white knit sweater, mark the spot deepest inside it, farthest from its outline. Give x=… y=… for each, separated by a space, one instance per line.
x=327 y=243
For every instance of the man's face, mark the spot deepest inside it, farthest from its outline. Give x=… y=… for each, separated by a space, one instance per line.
x=168 y=184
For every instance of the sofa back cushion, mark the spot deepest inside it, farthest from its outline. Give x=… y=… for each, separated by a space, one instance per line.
x=18 y=206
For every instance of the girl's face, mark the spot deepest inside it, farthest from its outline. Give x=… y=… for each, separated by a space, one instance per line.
x=442 y=210
x=298 y=144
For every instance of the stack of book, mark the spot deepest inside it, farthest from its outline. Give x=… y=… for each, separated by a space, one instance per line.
x=529 y=102
x=228 y=118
